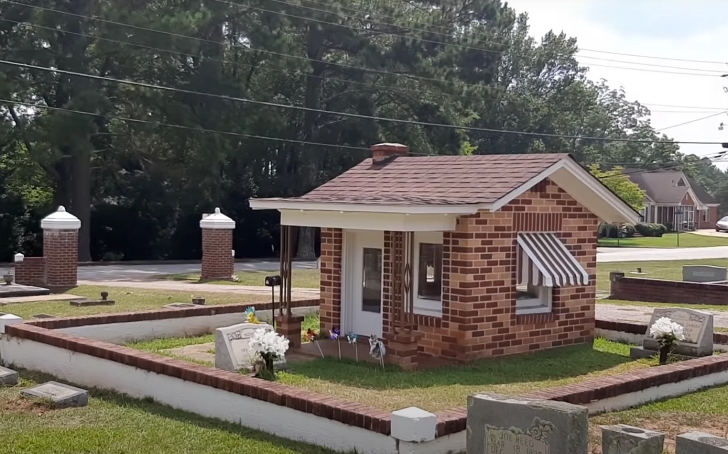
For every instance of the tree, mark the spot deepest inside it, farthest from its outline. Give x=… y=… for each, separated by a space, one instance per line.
x=619 y=183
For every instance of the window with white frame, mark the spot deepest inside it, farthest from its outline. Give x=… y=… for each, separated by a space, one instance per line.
x=706 y=215
x=532 y=297
x=428 y=273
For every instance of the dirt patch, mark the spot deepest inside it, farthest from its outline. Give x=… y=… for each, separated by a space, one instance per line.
x=24 y=405
x=671 y=424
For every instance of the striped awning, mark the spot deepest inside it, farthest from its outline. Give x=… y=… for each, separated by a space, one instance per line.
x=543 y=260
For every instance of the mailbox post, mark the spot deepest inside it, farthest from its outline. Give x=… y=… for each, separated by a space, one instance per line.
x=273 y=282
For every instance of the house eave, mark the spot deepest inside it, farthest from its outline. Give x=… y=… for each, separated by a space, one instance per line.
x=349 y=207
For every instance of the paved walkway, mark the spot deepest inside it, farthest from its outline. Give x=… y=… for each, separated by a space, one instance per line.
x=297 y=293
x=642 y=314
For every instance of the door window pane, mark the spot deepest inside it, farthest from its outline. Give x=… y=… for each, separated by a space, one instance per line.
x=372 y=281
x=429 y=285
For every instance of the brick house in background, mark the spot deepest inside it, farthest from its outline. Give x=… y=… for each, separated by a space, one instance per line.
x=461 y=257
x=673 y=199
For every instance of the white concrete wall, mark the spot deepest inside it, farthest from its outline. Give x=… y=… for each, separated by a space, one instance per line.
x=123 y=333
x=90 y=371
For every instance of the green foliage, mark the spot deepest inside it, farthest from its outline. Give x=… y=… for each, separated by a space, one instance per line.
x=619 y=183
x=471 y=64
x=651 y=230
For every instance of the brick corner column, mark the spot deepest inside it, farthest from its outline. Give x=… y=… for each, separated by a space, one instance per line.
x=60 y=249
x=290 y=328
x=402 y=350
x=218 y=261
x=332 y=241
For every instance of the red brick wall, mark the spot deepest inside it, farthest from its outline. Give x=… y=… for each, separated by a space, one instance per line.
x=712 y=219
x=660 y=291
x=332 y=241
x=31 y=271
x=217 y=254
x=479 y=264
x=60 y=249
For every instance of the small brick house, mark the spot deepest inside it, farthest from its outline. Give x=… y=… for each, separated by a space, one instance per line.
x=460 y=257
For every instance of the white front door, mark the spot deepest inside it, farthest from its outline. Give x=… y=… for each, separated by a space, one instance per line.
x=364 y=279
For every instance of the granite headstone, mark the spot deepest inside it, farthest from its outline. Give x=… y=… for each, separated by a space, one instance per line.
x=61 y=395
x=8 y=377
x=506 y=425
x=704 y=273
x=700 y=443
x=231 y=347
x=698 y=330
x=623 y=439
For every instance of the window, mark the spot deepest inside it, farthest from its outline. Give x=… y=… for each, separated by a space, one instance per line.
x=706 y=216
x=429 y=276
x=531 y=296
x=427 y=273
x=681 y=182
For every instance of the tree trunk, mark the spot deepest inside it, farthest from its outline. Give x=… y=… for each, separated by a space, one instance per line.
x=306 y=244
x=81 y=203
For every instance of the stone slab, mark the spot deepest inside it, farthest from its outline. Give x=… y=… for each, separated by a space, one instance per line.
x=698 y=328
x=641 y=353
x=704 y=273
x=39 y=299
x=87 y=303
x=8 y=377
x=414 y=425
x=42 y=316
x=231 y=347
x=17 y=290
x=700 y=443
x=624 y=439
x=179 y=305
x=507 y=425
x=61 y=395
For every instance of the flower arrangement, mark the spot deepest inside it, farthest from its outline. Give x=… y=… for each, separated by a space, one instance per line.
x=667 y=333
x=267 y=346
x=311 y=336
x=250 y=316
x=335 y=334
x=351 y=337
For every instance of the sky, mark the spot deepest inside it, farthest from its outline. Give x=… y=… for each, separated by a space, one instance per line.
x=675 y=29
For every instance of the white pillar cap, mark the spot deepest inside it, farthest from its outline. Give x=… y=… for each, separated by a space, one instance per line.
x=217 y=221
x=19 y=257
x=60 y=220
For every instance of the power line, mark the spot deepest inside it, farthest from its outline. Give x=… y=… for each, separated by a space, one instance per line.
x=654 y=57
x=682 y=107
x=653 y=65
x=652 y=70
x=347 y=114
x=189 y=128
x=691 y=121
x=489 y=88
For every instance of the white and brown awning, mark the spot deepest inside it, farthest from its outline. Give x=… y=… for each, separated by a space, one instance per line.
x=543 y=260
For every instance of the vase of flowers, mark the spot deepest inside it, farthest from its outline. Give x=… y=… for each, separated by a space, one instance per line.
x=266 y=347
x=667 y=333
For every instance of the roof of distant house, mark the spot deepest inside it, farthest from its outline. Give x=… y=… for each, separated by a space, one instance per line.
x=661 y=186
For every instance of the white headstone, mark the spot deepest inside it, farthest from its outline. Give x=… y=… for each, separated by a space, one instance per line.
x=697 y=326
x=231 y=346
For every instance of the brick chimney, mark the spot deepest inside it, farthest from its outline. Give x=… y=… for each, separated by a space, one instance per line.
x=384 y=151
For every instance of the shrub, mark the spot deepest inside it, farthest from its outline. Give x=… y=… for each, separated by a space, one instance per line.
x=651 y=230
x=628 y=230
x=669 y=227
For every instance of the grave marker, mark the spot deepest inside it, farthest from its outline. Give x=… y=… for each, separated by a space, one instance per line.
x=231 y=347
x=700 y=443
x=61 y=395
x=8 y=377
x=704 y=273
x=698 y=330
x=623 y=439
x=505 y=425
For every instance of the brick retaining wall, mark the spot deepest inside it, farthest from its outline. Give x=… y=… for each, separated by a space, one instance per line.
x=664 y=291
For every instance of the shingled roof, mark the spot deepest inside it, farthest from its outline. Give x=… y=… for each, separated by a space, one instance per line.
x=661 y=186
x=434 y=180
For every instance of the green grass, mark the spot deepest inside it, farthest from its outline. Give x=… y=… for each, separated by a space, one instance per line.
x=706 y=411
x=443 y=388
x=697 y=307
x=302 y=278
x=127 y=300
x=669 y=240
x=116 y=424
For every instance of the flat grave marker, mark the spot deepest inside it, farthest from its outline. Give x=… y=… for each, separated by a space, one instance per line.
x=61 y=395
x=8 y=377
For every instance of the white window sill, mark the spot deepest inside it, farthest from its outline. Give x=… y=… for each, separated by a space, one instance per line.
x=533 y=310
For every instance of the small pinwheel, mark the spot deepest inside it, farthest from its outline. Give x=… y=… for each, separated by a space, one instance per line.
x=250 y=315
x=351 y=337
x=335 y=334
x=311 y=336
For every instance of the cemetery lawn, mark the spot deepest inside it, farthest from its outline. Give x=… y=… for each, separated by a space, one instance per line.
x=697 y=307
x=668 y=269
x=117 y=424
x=669 y=240
x=705 y=411
x=447 y=387
x=127 y=300
x=302 y=278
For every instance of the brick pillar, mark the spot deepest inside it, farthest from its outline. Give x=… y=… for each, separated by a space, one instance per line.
x=218 y=261
x=290 y=328
x=331 y=255
x=402 y=350
x=60 y=249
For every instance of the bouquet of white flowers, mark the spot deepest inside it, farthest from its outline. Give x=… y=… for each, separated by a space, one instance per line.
x=667 y=333
x=268 y=346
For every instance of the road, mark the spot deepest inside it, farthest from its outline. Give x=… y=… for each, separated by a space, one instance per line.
x=137 y=273
x=606 y=255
